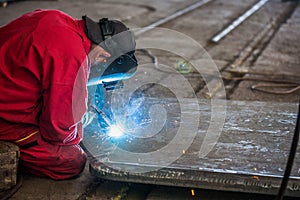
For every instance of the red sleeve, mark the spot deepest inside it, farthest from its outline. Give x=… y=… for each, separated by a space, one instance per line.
x=60 y=120
x=65 y=73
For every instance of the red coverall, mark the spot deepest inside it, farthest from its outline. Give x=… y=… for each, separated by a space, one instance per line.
x=44 y=70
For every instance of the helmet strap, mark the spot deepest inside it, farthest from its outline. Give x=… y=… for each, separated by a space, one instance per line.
x=98 y=32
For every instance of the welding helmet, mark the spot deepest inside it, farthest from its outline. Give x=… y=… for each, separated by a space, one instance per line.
x=115 y=38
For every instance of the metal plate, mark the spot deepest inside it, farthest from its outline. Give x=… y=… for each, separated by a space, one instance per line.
x=249 y=156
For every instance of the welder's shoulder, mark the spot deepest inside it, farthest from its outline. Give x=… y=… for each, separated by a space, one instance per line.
x=55 y=20
x=53 y=16
x=56 y=27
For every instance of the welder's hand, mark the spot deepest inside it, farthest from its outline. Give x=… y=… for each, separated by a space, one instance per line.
x=97 y=54
x=87 y=118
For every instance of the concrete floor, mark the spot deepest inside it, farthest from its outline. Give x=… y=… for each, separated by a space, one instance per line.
x=268 y=42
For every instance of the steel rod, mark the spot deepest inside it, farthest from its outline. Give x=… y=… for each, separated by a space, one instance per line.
x=172 y=16
x=239 y=20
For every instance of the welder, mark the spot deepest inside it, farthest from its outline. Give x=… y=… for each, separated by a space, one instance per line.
x=47 y=58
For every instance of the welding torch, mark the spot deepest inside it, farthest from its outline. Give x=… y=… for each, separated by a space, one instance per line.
x=103 y=116
x=115 y=130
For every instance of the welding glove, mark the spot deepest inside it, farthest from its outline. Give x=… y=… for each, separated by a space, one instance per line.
x=97 y=103
x=87 y=118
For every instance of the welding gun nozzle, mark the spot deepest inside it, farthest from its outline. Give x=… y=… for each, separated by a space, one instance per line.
x=103 y=115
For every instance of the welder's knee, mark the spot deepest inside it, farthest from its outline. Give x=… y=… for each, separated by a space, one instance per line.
x=56 y=162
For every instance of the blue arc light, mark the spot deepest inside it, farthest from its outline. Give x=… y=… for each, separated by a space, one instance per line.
x=115 y=131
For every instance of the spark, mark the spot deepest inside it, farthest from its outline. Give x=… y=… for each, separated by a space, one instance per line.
x=115 y=131
x=193 y=192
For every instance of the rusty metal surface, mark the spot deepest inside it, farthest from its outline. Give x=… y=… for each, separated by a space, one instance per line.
x=249 y=156
x=9 y=158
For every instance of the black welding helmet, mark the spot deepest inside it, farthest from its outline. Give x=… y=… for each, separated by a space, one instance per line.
x=115 y=38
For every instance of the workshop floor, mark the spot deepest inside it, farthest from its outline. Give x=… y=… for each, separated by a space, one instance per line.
x=265 y=45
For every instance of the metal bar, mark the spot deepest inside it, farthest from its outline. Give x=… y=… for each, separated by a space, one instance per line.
x=172 y=16
x=238 y=21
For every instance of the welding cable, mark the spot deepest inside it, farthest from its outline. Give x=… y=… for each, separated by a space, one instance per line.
x=273 y=84
x=160 y=68
x=259 y=87
x=155 y=61
x=290 y=161
x=153 y=57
